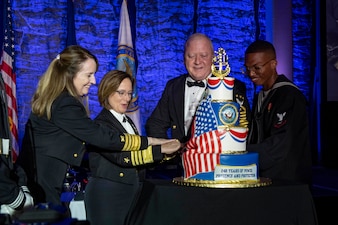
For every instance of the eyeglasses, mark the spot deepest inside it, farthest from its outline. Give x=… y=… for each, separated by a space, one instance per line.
x=124 y=93
x=255 y=68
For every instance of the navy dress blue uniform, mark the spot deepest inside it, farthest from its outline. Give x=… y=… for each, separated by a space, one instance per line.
x=279 y=132
x=115 y=176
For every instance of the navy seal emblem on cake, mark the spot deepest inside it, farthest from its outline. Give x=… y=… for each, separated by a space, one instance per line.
x=228 y=114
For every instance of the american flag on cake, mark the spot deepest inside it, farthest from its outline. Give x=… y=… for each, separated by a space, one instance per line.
x=203 y=151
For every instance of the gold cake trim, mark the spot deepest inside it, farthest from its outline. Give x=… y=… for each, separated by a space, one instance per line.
x=261 y=182
x=229 y=152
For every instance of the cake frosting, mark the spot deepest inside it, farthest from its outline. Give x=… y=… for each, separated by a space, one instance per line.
x=217 y=148
x=221 y=89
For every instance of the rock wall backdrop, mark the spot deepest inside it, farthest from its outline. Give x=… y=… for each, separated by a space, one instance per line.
x=161 y=28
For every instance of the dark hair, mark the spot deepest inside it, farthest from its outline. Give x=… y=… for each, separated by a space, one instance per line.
x=261 y=46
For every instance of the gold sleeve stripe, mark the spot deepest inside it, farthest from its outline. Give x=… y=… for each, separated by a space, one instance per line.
x=148 y=155
x=131 y=142
x=142 y=157
x=135 y=158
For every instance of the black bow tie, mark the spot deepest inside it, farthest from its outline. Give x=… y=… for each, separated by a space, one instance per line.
x=195 y=83
x=124 y=119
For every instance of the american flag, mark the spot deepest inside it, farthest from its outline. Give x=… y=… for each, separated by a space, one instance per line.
x=204 y=148
x=9 y=77
x=205 y=119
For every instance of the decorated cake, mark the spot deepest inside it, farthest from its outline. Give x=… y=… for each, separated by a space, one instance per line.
x=216 y=153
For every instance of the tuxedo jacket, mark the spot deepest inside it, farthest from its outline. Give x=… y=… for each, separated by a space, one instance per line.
x=169 y=112
x=122 y=167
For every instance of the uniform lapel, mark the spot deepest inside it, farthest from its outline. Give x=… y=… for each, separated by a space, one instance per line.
x=113 y=121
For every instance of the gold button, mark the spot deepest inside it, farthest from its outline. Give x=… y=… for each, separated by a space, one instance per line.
x=121 y=174
x=75 y=155
x=174 y=126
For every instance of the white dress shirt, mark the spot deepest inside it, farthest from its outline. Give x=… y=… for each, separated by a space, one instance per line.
x=123 y=120
x=192 y=98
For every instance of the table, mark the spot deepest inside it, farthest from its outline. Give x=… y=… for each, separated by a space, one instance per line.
x=165 y=203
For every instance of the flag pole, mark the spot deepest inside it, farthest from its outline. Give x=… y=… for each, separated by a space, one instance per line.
x=126 y=61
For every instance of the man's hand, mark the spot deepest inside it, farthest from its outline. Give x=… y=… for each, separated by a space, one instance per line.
x=171 y=147
x=159 y=141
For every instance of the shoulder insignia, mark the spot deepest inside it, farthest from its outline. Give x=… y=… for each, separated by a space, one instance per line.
x=281 y=119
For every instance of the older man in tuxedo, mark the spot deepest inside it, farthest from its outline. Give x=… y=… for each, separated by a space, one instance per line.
x=176 y=108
